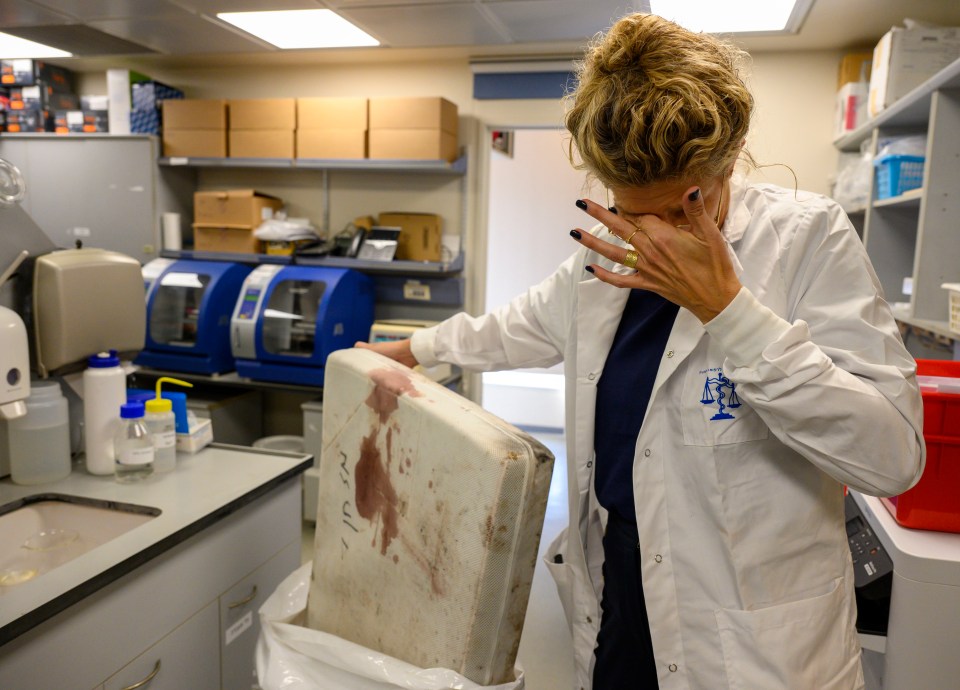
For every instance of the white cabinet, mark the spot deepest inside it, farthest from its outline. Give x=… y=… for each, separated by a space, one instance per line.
x=913 y=239
x=167 y=608
x=105 y=191
x=180 y=660
x=240 y=622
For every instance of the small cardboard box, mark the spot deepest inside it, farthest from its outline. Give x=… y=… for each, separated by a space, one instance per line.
x=905 y=58
x=332 y=113
x=853 y=66
x=263 y=113
x=420 y=235
x=207 y=238
x=331 y=143
x=198 y=143
x=413 y=113
x=194 y=113
x=262 y=143
x=412 y=144
x=233 y=208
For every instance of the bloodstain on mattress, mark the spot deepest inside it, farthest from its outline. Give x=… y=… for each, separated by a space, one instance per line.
x=375 y=496
x=389 y=385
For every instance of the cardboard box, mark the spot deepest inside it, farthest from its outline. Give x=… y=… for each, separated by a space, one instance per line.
x=194 y=143
x=853 y=66
x=413 y=144
x=85 y=121
x=413 y=113
x=262 y=143
x=332 y=113
x=420 y=235
x=331 y=143
x=42 y=97
x=850 y=110
x=263 y=113
x=905 y=58
x=29 y=121
x=208 y=238
x=195 y=113
x=26 y=72
x=233 y=208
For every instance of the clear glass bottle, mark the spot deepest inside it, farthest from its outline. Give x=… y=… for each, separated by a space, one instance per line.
x=133 y=445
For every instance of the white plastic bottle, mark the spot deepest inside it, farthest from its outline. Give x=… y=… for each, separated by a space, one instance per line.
x=133 y=445
x=40 y=440
x=104 y=391
x=162 y=425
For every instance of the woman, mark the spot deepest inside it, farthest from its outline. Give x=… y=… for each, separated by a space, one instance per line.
x=730 y=365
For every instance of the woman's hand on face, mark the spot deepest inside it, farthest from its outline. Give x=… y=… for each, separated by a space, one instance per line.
x=398 y=350
x=689 y=266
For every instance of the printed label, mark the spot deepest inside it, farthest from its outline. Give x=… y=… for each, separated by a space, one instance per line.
x=164 y=439
x=135 y=456
x=414 y=289
x=238 y=628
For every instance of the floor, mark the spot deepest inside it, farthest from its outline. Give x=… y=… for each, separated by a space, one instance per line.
x=545 y=654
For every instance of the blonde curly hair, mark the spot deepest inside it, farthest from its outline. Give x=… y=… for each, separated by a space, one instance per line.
x=655 y=102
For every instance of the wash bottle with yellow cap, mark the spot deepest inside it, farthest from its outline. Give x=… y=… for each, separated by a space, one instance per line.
x=161 y=424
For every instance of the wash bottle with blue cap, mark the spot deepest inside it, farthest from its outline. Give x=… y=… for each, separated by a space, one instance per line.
x=162 y=424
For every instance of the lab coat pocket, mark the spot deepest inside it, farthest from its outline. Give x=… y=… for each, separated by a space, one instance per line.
x=803 y=645
x=713 y=413
x=562 y=574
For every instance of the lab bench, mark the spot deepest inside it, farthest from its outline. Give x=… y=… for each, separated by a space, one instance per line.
x=177 y=594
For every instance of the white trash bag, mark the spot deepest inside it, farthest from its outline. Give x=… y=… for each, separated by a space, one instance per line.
x=292 y=656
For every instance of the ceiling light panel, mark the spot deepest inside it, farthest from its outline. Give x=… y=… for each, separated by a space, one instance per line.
x=295 y=29
x=730 y=16
x=14 y=47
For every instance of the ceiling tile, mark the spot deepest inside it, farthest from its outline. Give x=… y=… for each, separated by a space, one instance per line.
x=80 y=40
x=22 y=13
x=184 y=34
x=417 y=26
x=110 y=9
x=535 y=21
x=212 y=7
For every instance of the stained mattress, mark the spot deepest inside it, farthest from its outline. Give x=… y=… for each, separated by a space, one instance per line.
x=428 y=521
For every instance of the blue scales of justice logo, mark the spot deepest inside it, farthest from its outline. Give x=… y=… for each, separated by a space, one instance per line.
x=719 y=384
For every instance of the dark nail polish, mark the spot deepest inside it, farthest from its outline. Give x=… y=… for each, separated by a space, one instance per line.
x=694 y=195
x=588 y=269
x=575 y=234
x=612 y=209
x=581 y=204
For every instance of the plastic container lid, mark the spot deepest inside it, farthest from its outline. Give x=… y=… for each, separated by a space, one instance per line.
x=158 y=405
x=44 y=390
x=102 y=360
x=131 y=410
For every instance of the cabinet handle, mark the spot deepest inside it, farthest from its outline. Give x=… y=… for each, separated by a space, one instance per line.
x=238 y=604
x=153 y=674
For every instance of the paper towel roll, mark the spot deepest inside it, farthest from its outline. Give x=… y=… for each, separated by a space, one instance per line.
x=171 y=231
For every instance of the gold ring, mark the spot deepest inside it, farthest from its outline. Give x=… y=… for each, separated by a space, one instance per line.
x=631 y=235
x=630 y=260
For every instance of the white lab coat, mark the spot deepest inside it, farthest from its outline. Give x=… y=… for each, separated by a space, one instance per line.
x=746 y=570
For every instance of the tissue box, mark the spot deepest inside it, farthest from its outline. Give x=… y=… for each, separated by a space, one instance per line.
x=200 y=436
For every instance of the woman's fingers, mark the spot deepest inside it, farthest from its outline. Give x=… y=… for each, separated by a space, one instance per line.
x=613 y=252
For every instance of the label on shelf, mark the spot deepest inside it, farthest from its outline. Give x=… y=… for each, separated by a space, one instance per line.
x=415 y=290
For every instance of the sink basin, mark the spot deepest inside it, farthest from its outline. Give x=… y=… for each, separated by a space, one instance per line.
x=41 y=532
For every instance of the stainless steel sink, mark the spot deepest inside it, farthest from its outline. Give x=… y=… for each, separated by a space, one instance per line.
x=41 y=532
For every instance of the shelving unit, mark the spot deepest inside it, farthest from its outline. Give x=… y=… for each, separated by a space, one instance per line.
x=914 y=239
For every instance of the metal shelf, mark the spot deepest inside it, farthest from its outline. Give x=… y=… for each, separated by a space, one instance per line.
x=913 y=110
x=432 y=167
x=396 y=267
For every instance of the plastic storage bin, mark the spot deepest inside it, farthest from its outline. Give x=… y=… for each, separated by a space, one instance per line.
x=897 y=174
x=933 y=503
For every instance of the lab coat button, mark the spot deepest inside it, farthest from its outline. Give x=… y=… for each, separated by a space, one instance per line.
x=658 y=558
x=646 y=453
x=669 y=354
x=673 y=668
x=589 y=463
x=591 y=376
